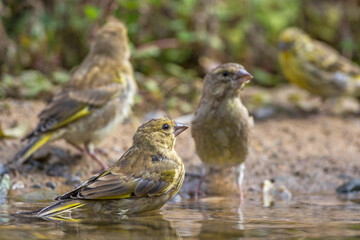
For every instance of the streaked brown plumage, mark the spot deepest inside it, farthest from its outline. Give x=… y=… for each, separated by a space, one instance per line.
x=97 y=97
x=221 y=125
x=148 y=174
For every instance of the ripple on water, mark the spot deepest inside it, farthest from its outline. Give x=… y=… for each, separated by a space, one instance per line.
x=314 y=217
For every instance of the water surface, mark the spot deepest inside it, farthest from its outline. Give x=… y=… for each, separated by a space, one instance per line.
x=316 y=217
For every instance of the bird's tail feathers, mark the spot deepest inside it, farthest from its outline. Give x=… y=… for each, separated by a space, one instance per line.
x=56 y=209
x=34 y=144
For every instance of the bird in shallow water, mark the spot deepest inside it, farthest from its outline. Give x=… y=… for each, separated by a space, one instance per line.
x=221 y=126
x=317 y=67
x=97 y=97
x=146 y=176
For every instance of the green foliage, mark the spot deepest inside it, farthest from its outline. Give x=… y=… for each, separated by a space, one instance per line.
x=265 y=78
x=91 y=12
x=168 y=39
x=28 y=84
x=274 y=16
x=60 y=77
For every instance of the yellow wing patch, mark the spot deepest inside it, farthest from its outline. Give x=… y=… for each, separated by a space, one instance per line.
x=82 y=113
x=62 y=209
x=115 y=197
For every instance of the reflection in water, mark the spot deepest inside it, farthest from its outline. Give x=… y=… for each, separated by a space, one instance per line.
x=209 y=218
x=217 y=218
x=89 y=226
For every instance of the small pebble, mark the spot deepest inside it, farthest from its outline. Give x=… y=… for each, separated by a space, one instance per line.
x=265 y=112
x=36 y=186
x=273 y=192
x=51 y=185
x=58 y=170
x=33 y=165
x=18 y=185
x=74 y=181
x=349 y=187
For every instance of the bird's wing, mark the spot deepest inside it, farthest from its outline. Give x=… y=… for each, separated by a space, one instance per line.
x=154 y=180
x=86 y=90
x=330 y=69
x=331 y=61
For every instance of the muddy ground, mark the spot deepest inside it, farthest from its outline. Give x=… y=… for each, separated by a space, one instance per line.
x=310 y=150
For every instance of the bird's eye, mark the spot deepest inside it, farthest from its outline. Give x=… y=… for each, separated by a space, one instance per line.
x=165 y=126
x=225 y=73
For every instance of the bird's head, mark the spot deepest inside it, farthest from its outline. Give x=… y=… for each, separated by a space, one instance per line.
x=226 y=80
x=290 y=37
x=159 y=132
x=112 y=40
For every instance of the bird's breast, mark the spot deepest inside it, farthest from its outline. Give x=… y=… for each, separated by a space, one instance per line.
x=222 y=137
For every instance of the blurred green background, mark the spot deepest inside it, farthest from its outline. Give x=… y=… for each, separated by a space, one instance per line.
x=174 y=43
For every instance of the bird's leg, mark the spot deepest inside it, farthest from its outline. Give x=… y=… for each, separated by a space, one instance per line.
x=77 y=147
x=90 y=150
x=101 y=151
x=241 y=195
x=240 y=181
x=198 y=188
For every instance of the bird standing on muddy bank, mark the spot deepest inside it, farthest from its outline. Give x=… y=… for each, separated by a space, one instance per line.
x=97 y=97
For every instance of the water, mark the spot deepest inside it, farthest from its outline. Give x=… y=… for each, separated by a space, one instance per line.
x=319 y=217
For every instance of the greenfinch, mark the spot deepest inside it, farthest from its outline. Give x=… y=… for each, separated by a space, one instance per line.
x=221 y=126
x=145 y=177
x=97 y=97
x=316 y=67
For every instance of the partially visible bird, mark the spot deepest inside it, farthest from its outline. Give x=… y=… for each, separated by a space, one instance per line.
x=221 y=126
x=97 y=97
x=146 y=176
x=317 y=67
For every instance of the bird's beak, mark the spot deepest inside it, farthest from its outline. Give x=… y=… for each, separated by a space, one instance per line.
x=179 y=128
x=243 y=76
